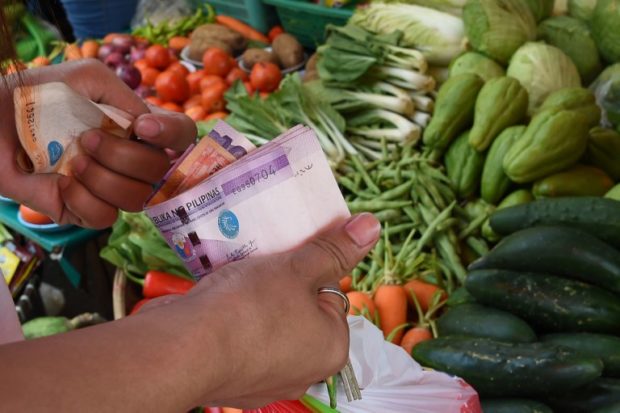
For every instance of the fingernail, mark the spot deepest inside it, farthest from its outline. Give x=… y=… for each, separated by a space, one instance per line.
x=148 y=128
x=90 y=141
x=363 y=229
x=79 y=164
x=64 y=182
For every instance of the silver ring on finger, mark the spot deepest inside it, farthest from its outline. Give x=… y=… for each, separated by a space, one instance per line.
x=336 y=291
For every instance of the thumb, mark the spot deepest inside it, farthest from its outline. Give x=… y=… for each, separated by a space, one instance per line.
x=332 y=254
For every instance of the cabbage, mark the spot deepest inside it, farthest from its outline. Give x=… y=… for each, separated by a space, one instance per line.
x=454 y=7
x=542 y=69
x=606 y=88
x=606 y=29
x=477 y=64
x=439 y=36
x=541 y=9
x=497 y=28
x=581 y=9
x=572 y=36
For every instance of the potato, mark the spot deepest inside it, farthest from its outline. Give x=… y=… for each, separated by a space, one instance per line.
x=289 y=51
x=253 y=56
x=215 y=35
x=312 y=62
x=198 y=48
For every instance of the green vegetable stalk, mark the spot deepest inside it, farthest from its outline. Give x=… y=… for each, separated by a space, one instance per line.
x=502 y=102
x=495 y=182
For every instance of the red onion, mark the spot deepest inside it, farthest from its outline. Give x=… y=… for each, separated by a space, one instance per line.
x=123 y=43
x=130 y=75
x=105 y=50
x=114 y=60
x=136 y=54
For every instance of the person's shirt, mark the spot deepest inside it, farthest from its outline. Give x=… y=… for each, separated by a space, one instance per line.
x=10 y=329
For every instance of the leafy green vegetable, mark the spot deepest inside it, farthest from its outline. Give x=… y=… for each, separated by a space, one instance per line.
x=137 y=246
x=476 y=64
x=542 y=69
x=572 y=36
x=439 y=36
x=165 y=30
x=497 y=28
x=581 y=9
x=453 y=7
x=606 y=29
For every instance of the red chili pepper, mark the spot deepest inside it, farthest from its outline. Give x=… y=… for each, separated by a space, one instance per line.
x=157 y=284
x=139 y=305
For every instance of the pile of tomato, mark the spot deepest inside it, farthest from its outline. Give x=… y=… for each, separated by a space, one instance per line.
x=200 y=94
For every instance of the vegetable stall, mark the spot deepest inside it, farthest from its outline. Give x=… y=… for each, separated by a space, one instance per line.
x=483 y=134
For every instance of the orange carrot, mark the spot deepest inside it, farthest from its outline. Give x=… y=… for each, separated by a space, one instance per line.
x=90 y=48
x=178 y=43
x=216 y=115
x=415 y=336
x=246 y=30
x=72 y=52
x=391 y=303
x=40 y=61
x=361 y=301
x=423 y=291
x=346 y=283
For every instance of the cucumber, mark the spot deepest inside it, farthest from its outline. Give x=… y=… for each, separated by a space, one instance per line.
x=607 y=348
x=514 y=406
x=499 y=369
x=460 y=296
x=546 y=302
x=601 y=393
x=598 y=216
x=545 y=249
x=474 y=320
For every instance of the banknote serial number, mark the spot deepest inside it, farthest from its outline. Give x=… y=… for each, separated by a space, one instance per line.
x=257 y=177
x=30 y=117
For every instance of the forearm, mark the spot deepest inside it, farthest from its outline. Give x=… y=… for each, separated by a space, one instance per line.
x=164 y=360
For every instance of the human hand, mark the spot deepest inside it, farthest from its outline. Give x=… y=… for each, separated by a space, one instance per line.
x=115 y=173
x=280 y=336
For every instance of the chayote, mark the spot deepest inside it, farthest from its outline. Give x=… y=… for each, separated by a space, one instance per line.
x=454 y=110
x=518 y=197
x=604 y=151
x=495 y=182
x=554 y=140
x=574 y=98
x=464 y=166
x=502 y=102
x=478 y=64
x=580 y=180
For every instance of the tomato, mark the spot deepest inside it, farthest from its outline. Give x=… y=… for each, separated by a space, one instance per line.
x=216 y=62
x=172 y=87
x=196 y=113
x=194 y=79
x=154 y=100
x=171 y=106
x=212 y=80
x=141 y=64
x=213 y=97
x=249 y=88
x=275 y=32
x=265 y=77
x=33 y=217
x=216 y=115
x=236 y=74
x=149 y=76
x=157 y=56
x=178 y=43
x=195 y=100
x=178 y=67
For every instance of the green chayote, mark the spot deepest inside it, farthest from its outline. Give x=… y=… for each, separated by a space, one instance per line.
x=580 y=180
x=477 y=64
x=464 y=166
x=604 y=151
x=502 y=102
x=574 y=98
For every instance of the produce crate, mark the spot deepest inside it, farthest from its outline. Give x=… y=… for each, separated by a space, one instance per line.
x=253 y=12
x=306 y=21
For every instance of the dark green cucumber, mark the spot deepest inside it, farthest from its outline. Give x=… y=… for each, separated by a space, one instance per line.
x=612 y=408
x=606 y=347
x=546 y=302
x=598 y=216
x=514 y=406
x=601 y=393
x=499 y=369
x=474 y=320
x=558 y=251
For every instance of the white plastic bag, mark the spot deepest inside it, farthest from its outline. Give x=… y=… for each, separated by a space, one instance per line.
x=393 y=382
x=156 y=11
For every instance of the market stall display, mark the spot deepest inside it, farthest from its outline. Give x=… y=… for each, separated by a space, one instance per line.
x=484 y=135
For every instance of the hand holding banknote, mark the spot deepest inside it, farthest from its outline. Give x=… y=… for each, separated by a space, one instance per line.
x=107 y=172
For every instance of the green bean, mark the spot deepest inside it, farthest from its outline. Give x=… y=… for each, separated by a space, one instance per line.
x=479 y=246
x=348 y=184
x=376 y=205
x=431 y=230
x=473 y=226
x=396 y=192
x=387 y=215
x=448 y=223
x=397 y=229
x=365 y=177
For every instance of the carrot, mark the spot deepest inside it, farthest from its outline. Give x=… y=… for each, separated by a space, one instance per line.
x=345 y=283
x=415 y=336
x=72 y=52
x=178 y=43
x=40 y=61
x=90 y=48
x=246 y=30
x=361 y=303
x=231 y=410
x=391 y=303
x=424 y=293
x=216 y=115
